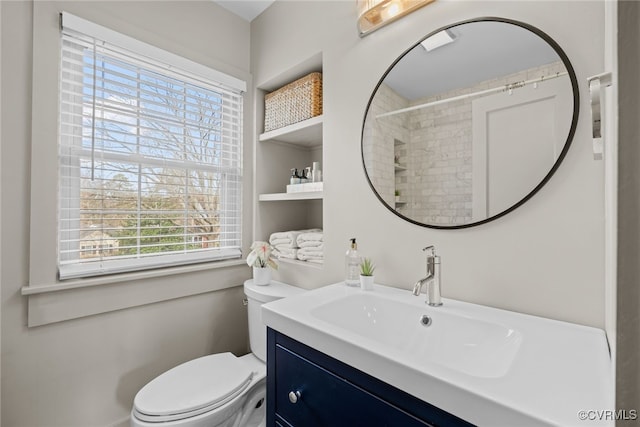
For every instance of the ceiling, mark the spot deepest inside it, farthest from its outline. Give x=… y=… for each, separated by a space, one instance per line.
x=482 y=51
x=246 y=9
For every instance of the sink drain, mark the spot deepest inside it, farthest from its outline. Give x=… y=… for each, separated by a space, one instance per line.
x=425 y=320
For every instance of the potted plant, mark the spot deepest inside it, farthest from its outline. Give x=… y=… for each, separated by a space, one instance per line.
x=366 y=274
x=260 y=258
x=397 y=193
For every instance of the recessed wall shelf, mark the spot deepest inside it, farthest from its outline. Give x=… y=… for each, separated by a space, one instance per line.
x=307 y=133
x=276 y=197
x=399 y=152
x=276 y=152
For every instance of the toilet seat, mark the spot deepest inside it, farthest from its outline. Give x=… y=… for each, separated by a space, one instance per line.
x=193 y=388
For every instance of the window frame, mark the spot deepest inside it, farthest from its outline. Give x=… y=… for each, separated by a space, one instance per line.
x=189 y=73
x=48 y=299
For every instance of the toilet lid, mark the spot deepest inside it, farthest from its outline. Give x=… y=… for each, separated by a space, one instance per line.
x=204 y=383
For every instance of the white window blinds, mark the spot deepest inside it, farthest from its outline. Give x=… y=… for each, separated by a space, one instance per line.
x=150 y=170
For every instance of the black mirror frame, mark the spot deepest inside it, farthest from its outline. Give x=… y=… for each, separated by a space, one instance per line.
x=574 y=122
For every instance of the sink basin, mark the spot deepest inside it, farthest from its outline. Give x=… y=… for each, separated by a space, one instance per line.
x=488 y=366
x=471 y=346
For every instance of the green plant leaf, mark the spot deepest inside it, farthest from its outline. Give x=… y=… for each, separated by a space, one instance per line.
x=367 y=267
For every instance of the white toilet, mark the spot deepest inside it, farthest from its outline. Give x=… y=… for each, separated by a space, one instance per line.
x=219 y=390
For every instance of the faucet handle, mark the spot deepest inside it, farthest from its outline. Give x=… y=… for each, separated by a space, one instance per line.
x=430 y=248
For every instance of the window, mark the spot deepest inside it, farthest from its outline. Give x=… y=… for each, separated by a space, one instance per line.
x=150 y=156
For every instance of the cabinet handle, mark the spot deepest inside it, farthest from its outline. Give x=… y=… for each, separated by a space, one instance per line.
x=294 y=396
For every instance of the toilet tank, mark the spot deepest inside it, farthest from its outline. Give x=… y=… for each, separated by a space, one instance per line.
x=256 y=296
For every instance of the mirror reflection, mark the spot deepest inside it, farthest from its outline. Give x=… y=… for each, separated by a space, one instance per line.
x=469 y=123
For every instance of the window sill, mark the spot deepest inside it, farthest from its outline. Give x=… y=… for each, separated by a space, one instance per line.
x=78 y=298
x=127 y=277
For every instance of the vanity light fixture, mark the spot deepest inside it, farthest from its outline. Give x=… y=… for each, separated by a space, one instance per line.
x=437 y=40
x=373 y=14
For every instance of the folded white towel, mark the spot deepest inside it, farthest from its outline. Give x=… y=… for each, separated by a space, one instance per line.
x=316 y=261
x=311 y=254
x=281 y=242
x=285 y=252
x=315 y=252
x=281 y=235
x=312 y=244
x=288 y=238
x=305 y=257
x=311 y=236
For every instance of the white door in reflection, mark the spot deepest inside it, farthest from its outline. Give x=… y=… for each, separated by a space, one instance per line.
x=517 y=138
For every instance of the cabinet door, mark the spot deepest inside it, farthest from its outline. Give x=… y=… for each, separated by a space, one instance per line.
x=328 y=400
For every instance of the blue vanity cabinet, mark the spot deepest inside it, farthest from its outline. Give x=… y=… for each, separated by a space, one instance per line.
x=307 y=388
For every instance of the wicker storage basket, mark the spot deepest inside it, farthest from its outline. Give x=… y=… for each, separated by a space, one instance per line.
x=297 y=101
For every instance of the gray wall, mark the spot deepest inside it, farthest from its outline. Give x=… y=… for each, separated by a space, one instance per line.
x=545 y=258
x=85 y=372
x=628 y=321
x=0 y=211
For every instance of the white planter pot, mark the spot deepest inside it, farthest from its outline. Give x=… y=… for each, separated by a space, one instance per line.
x=366 y=283
x=261 y=276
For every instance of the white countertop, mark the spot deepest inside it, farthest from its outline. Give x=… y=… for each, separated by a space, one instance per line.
x=557 y=368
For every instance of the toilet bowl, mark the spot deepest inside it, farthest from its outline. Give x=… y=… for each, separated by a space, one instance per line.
x=219 y=390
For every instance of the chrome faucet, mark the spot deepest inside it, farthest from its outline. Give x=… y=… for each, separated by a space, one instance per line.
x=432 y=280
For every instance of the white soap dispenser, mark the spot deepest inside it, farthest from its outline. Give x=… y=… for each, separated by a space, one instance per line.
x=352 y=265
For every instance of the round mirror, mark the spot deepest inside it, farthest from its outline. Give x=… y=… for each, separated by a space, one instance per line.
x=469 y=123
